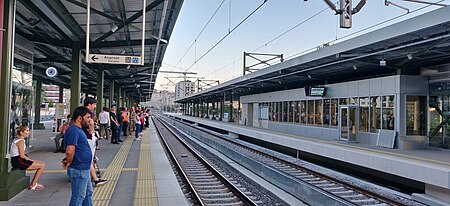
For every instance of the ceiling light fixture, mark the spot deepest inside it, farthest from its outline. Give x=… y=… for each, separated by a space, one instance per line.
x=410 y=56
x=128 y=67
x=114 y=28
x=382 y=63
x=354 y=67
x=309 y=76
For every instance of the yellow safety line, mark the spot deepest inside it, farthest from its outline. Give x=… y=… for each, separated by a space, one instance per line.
x=102 y=195
x=145 y=193
x=131 y=169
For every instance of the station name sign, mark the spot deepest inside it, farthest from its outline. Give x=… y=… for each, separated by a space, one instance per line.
x=114 y=59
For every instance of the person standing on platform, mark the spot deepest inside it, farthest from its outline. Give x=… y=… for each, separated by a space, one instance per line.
x=125 y=122
x=114 y=124
x=132 y=122
x=79 y=158
x=90 y=103
x=120 y=121
x=105 y=122
x=21 y=161
x=138 y=124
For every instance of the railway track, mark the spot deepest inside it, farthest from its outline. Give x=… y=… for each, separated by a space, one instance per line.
x=337 y=189
x=207 y=186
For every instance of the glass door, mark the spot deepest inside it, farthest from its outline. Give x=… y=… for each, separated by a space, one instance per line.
x=343 y=123
x=353 y=122
x=348 y=122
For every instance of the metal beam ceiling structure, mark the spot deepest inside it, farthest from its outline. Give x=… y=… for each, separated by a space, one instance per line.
x=406 y=47
x=56 y=25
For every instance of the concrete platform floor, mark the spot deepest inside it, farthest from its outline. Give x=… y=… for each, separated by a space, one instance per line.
x=134 y=165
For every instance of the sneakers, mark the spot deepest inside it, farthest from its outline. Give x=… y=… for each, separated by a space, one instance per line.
x=100 y=182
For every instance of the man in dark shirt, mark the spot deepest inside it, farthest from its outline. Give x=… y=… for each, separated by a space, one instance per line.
x=79 y=157
x=114 y=124
x=120 y=121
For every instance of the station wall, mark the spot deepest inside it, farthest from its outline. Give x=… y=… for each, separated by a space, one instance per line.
x=398 y=86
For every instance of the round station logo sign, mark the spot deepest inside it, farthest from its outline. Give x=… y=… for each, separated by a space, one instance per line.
x=51 y=72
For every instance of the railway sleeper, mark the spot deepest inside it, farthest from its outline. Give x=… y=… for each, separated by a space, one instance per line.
x=226 y=204
x=199 y=183
x=210 y=191
x=222 y=200
x=325 y=185
x=211 y=188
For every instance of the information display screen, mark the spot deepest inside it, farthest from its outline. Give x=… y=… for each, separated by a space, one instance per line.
x=317 y=91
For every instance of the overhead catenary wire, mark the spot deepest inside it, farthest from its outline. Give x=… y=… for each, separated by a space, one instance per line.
x=198 y=35
x=277 y=37
x=226 y=35
x=314 y=48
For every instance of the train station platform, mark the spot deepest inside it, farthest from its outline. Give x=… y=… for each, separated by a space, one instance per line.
x=429 y=168
x=138 y=173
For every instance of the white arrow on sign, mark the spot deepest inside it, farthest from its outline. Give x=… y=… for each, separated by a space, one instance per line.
x=114 y=59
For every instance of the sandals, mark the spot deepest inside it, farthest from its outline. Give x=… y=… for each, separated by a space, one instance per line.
x=36 y=186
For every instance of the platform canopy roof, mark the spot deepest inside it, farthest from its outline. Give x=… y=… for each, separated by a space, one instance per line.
x=116 y=28
x=407 y=47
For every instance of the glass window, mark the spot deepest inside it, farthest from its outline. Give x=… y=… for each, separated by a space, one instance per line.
x=263 y=111
x=334 y=113
x=416 y=115
x=435 y=117
x=270 y=111
x=343 y=101
x=22 y=99
x=285 y=111
x=296 y=112
x=319 y=113
x=278 y=112
x=375 y=114
x=353 y=101
x=388 y=112
x=303 y=112
x=310 y=112
x=364 y=114
x=291 y=112
x=326 y=112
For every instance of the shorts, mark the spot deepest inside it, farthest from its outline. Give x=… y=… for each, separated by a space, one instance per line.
x=21 y=163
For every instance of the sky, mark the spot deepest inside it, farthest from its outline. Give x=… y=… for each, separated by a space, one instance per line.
x=287 y=27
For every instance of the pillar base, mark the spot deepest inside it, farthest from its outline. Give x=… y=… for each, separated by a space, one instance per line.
x=11 y=183
x=38 y=126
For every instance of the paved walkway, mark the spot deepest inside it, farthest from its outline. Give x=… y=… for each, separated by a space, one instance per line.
x=138 y=173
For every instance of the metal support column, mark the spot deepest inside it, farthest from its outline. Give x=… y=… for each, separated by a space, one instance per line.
x=118 y=97
x=111 y=93
x=60 y=101
x=11 y=182
x=221 y=108
x=37 y=109
x=100 y=84
x=207 y=109
x=75 y=78
x=123 y=97
x=203 y=109
x=213 y=109
x=239 y=110
x=230 y=113
x=194 y=109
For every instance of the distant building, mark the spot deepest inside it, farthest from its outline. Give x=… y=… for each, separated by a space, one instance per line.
x=184 y=88
x=164 y=100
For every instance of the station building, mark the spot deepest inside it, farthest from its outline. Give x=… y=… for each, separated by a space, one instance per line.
x=388 y=88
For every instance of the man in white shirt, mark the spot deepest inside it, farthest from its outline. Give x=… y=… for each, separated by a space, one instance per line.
x=105 y=121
